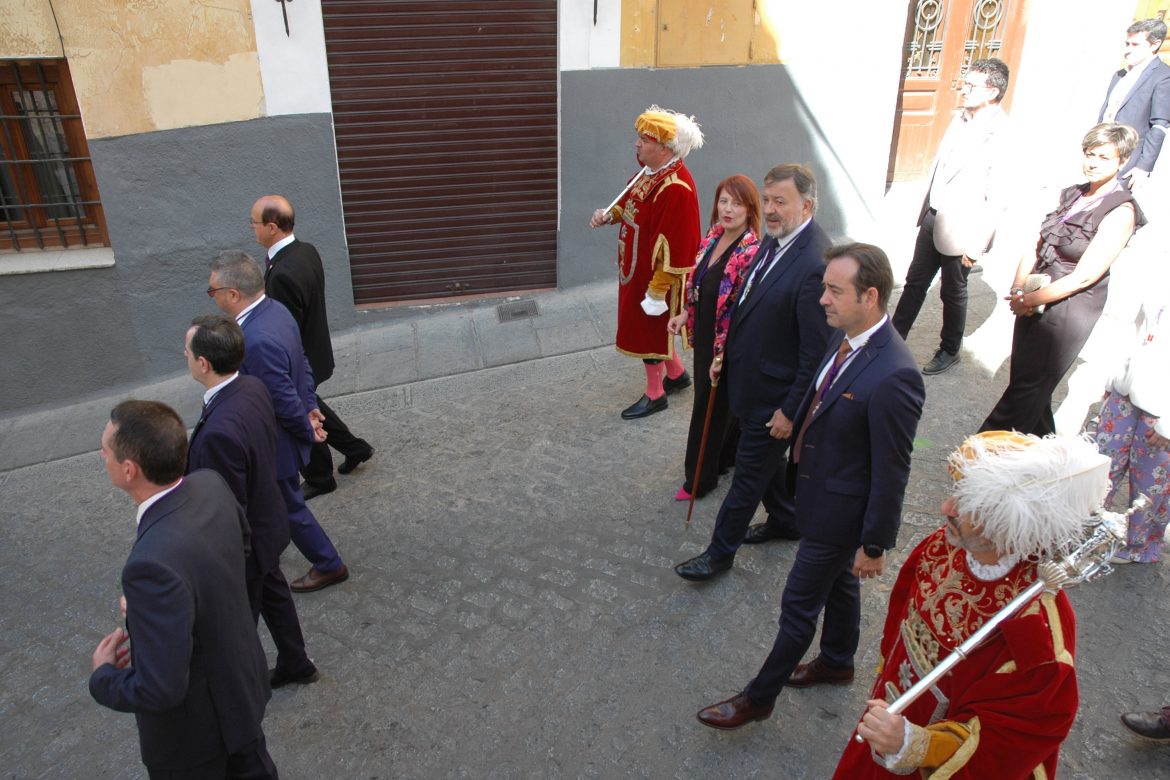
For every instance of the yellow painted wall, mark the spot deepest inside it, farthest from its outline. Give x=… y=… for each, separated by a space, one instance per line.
x=687 y=33
x=143 y=65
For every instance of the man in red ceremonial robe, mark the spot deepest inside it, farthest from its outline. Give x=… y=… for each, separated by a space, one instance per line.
x=1003 y=711
x=658 y=237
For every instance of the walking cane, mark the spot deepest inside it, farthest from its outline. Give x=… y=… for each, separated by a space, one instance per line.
x=702 y=447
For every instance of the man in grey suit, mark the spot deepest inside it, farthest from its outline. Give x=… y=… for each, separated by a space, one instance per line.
x=198 y=682
x=1139 y=96
x=962 y=208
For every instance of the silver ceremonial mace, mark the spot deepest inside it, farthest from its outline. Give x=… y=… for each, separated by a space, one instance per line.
x=1087 y=562
x=622 y=194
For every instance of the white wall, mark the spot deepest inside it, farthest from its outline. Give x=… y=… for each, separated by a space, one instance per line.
x=292 y=67
x=584 y=45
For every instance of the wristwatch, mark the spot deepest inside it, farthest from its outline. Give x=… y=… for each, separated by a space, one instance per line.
x=873 y=550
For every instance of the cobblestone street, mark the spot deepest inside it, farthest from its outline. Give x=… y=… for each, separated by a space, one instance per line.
x=512 y=611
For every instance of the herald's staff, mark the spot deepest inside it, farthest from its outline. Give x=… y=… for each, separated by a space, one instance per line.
x=622 y=194
x=702 y=447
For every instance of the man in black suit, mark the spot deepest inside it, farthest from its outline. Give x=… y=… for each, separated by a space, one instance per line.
x=296 y=278
x=854 y=436
x=1139 y=96
x=236 y=438
x=198 y=683
x=777 y=335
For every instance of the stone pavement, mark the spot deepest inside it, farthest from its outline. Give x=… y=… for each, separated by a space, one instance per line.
x=512 y=612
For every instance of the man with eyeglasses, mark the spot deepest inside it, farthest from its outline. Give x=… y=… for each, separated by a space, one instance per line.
x=965 y=202
x=273 y=353
x=1139 y=96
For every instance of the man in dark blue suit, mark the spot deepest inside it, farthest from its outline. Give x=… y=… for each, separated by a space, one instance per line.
x=198 y=683
x=777 y=335
x=274 y=355
x=236 y=438
x=855 y=433
x=1139 y=96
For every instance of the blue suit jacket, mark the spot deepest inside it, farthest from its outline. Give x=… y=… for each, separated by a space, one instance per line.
x=198 y=680
x=1147 y=106
x=236 y=438
x=778 y=334
x=274 y=355
x=855 y=456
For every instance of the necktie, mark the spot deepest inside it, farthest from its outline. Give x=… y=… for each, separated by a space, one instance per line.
x=822 y=389
x=760 y=267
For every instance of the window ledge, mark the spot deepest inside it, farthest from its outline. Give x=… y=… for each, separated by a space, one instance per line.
x=35 y=261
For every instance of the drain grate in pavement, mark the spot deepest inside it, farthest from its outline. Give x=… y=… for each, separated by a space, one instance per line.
x=517 y=310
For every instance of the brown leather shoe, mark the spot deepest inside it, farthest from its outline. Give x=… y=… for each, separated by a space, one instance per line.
x=315 y=580
x=816 y=672
x=734 y=712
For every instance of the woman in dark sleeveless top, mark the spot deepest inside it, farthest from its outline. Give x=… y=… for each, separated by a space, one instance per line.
x=1078 y=243
x=725 y=255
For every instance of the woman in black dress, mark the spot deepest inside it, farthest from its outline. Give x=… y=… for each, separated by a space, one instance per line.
x=713 y=288
x=1078 y=243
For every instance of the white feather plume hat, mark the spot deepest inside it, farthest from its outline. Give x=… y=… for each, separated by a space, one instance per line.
x=679 y=132
x=1026 y=494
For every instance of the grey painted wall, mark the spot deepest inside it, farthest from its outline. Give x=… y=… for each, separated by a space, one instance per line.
x=753 y=117
x=172 y=200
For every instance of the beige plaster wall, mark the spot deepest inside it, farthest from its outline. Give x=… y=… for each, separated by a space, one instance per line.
x=143 y=65
x=28 y=29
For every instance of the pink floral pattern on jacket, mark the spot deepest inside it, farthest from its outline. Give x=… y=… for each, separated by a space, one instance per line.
x=734 y=275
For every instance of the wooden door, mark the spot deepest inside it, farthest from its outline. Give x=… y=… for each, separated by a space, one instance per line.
x=943 y=37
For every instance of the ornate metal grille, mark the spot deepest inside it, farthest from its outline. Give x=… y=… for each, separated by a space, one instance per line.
x=48 y=194
x=924 y=51
x=984 y=32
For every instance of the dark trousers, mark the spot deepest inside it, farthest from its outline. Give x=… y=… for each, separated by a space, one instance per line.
x=758 y=476
x=319 y=469
x=927 y=263
x=821 y=579
x=250 y=763
x=270 y=597
x=307 y=534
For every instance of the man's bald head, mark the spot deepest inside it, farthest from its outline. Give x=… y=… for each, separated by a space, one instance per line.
x=272 y=219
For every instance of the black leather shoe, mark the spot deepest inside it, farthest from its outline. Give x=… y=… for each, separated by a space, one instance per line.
x=941 y=361
x=674 y=385
x=352 y=463
x=280 y=678
x=762 y=532
x=703 y=567
x=644 y=408
x=1151 y=725
x=312 y=491
x=733 y=713
x=816 y=672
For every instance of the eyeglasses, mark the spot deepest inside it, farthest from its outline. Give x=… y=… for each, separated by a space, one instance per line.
x=967 y=85
x=211 y=291
x=254 y=223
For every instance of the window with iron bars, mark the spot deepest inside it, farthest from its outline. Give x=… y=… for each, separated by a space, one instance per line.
x=48 y=195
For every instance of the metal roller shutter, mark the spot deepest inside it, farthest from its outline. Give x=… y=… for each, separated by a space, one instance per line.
x=446 y=121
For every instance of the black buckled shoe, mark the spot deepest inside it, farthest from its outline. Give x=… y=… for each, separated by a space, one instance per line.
x=674 y=385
